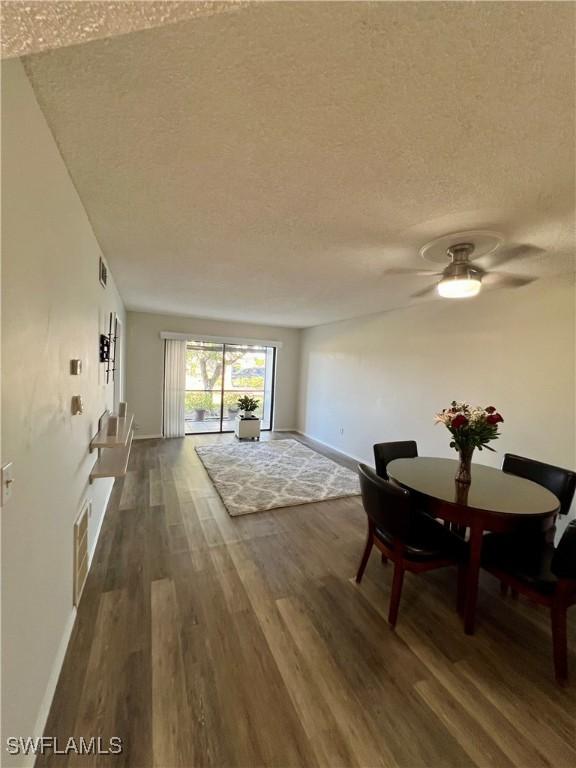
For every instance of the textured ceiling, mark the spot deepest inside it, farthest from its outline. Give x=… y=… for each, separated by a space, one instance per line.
x=29 y=27
x=271 y=164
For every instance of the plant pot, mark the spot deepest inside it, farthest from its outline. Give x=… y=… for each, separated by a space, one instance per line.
x=200 y=413
x=464 y=473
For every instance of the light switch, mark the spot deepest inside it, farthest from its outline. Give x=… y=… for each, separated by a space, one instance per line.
x=7 y=479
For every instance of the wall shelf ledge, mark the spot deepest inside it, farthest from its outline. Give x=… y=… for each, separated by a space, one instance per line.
x=103 y=440
x=112 y=462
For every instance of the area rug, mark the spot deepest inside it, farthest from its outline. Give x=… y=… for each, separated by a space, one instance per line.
x=253 y=477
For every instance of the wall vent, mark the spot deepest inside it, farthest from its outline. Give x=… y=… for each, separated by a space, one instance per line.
x=81 y=551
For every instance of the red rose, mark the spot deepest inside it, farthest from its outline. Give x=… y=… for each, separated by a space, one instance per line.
x=490 y=409
x=494 y=418
x=459 y=421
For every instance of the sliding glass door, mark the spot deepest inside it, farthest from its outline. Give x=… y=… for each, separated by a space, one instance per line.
x=204 y=369
x=217 y=375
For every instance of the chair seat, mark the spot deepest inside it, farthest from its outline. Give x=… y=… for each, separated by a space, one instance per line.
x=428 y=540
x=527 y=559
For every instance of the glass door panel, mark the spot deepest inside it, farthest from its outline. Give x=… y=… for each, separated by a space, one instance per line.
x=204 y=370
x=248 y=370
x=217 y=375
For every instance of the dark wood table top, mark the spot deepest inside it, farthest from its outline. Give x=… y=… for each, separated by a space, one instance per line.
x=491 y=490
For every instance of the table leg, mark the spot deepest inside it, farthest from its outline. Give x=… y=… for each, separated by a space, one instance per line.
x=472 y=578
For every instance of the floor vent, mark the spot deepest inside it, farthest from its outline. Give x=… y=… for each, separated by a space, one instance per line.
x=81 y=551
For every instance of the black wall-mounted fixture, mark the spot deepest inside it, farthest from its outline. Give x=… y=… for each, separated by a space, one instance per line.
x=104 y=348
x=108 y=347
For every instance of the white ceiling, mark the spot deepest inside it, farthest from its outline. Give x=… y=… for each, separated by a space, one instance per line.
x=270 y=164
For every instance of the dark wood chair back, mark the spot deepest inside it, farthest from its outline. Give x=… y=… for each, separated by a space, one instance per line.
x=563 y=563
x=527 y=567
x=561 y=482
x=384 y=453
x=413 y=541
x=387 y=506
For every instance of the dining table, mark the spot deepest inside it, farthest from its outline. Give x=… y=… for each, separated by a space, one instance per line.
x=495 y=501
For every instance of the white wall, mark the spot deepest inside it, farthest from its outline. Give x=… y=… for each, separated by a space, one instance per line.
x=53 y=309
x=383 y=377
x=145 y=364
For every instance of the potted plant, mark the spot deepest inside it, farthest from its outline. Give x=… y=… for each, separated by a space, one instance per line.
x=470 y=428
x=231 y=403
x=248 y=405
x=200 y=403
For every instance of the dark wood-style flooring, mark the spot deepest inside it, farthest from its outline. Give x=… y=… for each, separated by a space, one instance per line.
x=205 y=640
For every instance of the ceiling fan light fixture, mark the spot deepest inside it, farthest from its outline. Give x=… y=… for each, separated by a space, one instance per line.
x=459 y=287
x=460 y=279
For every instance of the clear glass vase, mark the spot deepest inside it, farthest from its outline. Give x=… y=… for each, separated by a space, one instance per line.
x=464 y=473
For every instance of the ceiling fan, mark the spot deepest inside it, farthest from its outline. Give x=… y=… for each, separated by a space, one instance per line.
x=462 y=278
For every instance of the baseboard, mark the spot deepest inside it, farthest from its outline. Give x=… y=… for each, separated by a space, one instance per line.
x=148 y=437
x=328 y=445
x=284 y=429
x=28 y=760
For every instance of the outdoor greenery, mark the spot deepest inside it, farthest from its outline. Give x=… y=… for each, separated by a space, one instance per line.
x=248 y=382
x=202 y=401
x=207 y=365
x=210 y=402
x=231 y=401
x=249 y=378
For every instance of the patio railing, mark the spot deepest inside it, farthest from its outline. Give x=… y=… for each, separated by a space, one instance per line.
x=202 y=405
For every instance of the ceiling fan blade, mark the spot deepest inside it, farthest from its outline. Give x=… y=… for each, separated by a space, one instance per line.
x=424 y=292
x=504 y=280
x=404 y=271
x=512 y=254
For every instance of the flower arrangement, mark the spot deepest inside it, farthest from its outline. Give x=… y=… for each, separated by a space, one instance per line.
x=470 y=428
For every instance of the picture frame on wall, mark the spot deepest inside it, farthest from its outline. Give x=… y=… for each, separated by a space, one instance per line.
x=102 y=272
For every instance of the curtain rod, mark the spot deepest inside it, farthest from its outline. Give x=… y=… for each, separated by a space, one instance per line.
x=220 y=339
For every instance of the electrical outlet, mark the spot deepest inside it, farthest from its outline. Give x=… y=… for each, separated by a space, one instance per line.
x=7 y=480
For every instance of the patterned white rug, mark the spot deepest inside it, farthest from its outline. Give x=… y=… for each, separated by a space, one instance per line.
x=253 y=477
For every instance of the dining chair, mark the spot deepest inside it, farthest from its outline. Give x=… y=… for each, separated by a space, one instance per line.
x=559 y=481
x=531 y=565
x=384 y=453
x=412 y=540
